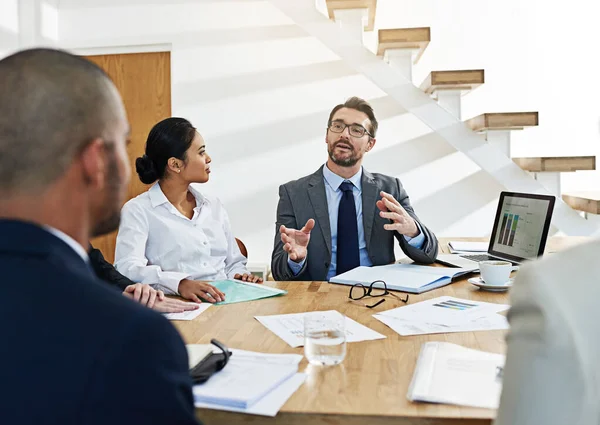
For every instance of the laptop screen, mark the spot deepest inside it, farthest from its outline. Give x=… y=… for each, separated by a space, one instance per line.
x=521 y=225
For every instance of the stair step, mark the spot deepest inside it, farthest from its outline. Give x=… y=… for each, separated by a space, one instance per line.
x=404 y=38
x=453 y=80
x=557 y=163
x=583 y=201
x=354 y=4
x=503 y=121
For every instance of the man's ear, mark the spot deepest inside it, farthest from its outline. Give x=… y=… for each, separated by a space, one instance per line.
x=371 y=143
x=93 y=163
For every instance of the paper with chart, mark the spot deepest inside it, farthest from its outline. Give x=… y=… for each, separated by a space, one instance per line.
x=188 y=315
x=247 y=378
x=445 y=310
x=237 y=291
x=407 y=328
x=290 y=327
x=452 y=374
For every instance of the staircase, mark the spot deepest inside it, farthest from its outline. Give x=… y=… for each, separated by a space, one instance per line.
x=485 y=139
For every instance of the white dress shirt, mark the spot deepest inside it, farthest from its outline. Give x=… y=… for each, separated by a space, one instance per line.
x=160 y=246
x=69 y=241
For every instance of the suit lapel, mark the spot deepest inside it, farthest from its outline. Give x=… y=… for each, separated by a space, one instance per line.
x=370 y=191
x=318 y=199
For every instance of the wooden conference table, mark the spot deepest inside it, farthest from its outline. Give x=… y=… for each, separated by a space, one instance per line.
x=370 y=386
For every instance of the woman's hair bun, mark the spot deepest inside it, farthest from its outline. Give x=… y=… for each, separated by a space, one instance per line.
x=146 y=169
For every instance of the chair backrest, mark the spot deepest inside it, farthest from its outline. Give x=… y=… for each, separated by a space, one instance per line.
x=242 y=247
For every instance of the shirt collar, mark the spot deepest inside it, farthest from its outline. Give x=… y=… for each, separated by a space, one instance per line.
x=335 y=181
x=69 y=241
x=157 y=196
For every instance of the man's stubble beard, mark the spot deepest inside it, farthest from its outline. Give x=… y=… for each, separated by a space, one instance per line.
x=347 y=162
x=112 y=215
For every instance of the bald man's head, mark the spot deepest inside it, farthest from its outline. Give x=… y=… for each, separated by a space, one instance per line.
x=52 y=104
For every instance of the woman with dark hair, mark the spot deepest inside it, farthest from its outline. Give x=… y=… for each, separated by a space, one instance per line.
x=172 y=236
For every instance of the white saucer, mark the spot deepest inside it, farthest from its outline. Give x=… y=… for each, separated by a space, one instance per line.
x=477 y=281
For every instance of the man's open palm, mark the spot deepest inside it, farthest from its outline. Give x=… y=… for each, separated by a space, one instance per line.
x=295 y=242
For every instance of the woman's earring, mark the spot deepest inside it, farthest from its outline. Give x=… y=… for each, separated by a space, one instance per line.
x=179 y=171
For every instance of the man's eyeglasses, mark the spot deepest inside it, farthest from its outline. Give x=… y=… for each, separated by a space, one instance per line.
x=375 y=289
x=355 y=130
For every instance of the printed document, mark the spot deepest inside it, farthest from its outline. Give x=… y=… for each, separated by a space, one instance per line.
x=407 y=328
x=188 y=315
x=452 y=374
x=290 y=328
x=445 y=310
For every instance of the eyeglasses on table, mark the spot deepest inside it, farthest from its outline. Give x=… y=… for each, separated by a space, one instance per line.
x=377 y=288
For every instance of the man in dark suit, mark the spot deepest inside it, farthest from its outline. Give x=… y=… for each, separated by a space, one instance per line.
x=74 y=351
x=358 y=214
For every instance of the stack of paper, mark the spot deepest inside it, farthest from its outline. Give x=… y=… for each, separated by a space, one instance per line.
x=290 y=327
x=449 y=373
x=403 y=277
x=251 y=382
x=460 y=247
x=444 y=315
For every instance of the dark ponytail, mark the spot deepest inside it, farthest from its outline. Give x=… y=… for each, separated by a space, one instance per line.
x=170 y=138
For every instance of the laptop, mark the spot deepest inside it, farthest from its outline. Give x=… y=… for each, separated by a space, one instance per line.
x=519 y=234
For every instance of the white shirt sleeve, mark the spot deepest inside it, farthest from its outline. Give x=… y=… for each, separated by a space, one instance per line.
x=130 y=259
x=235 y=262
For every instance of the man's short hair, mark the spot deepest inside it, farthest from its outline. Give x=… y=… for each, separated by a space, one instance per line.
x=360 y=105
x=52 y=104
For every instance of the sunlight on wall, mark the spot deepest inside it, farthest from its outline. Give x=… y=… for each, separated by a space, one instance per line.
x=244 y=58
x=420 y=182
x=155 y=18
x=271 y=106
x=49 y=21
x=9 y=16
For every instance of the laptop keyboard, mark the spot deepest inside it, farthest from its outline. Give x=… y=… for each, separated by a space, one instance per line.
x=478 y=257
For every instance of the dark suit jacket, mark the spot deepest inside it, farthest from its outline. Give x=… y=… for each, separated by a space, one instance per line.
x=106 y=271
x=302 y=199
x=75 y=351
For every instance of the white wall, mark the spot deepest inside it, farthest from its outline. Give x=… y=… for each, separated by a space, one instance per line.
x=27 y=23
x=9 y=26
x=260 y=90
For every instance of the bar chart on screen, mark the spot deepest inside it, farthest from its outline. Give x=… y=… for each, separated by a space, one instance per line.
x=520 y=227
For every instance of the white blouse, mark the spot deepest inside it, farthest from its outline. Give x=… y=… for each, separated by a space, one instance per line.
x=160 y=246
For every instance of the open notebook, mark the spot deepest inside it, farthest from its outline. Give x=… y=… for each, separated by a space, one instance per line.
x=402 y=277
x=452 y=374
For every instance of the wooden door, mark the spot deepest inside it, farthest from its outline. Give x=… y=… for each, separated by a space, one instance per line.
x=144 y=81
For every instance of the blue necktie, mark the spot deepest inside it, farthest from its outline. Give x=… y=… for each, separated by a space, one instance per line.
x=347 y=231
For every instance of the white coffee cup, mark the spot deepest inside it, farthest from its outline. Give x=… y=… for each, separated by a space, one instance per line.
x=495 y=272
